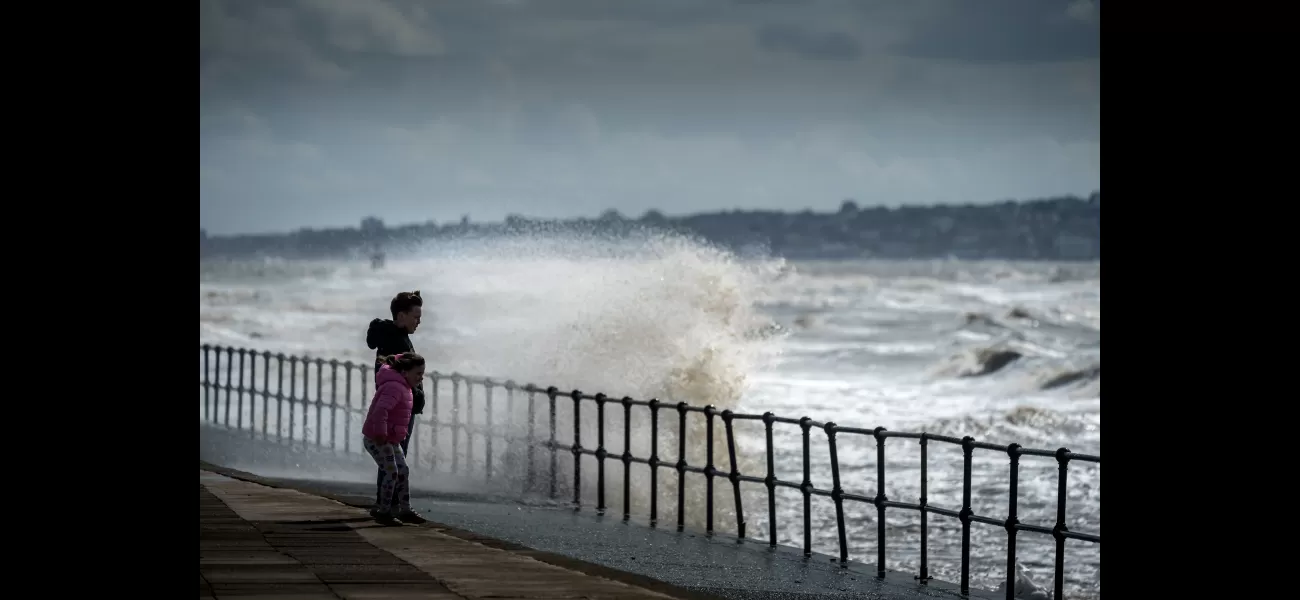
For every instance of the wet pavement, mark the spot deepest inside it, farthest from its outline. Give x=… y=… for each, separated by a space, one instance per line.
x=716 y=566
x=261 y=541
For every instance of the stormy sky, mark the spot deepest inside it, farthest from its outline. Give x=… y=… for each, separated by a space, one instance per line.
x=317 y=113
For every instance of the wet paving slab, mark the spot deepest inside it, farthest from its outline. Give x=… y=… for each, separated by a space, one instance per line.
x=716 y=566
x=261 y=541
x=239 y=558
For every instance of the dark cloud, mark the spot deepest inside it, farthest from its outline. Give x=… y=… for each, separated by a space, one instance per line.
x=829 y=45
x=770 y=2
x=659 y=13
x=279 y=41
x=317 y=112
x=1009 y=31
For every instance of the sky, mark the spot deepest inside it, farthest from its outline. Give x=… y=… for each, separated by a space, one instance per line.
x=319 y=113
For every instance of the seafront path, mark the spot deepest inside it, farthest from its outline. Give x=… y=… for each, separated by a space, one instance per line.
x=259 y=541
x=263 y=537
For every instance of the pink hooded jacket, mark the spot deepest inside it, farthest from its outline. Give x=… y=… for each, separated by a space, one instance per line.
x=390 y=410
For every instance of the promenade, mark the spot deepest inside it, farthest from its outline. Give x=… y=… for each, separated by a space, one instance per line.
x=282 y=538
x=257 y=541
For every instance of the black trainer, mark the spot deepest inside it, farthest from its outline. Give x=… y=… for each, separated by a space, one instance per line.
x=410 y=516
x=387 y=519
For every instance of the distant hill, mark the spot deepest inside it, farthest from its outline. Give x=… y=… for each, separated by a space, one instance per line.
x=1063 y=228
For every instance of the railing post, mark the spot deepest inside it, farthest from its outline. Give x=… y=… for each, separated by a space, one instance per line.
x=1013 y=452
x=734 y=476
x=455 y=422
x=551 y=394
x=510 y=421
x=837 y=493
x=770 y=481
x=806 y=486
x=293 y=389
x=365 y=404
x=468 y=424
x=216 y=385
x=347 y=410
x=252 y=393
x=967 y=446
x=334 y=403
x=600 y=454
x=279 y=398
x=230 y=382
x=239 y=392
x=681 y=465
x=709 y=470
x=266 y=394
x=880 y=500
x=432 y=397
x=627 y=457
x=1060 y=529
x=577 y=448
x=319 y=400
x=487 y=426
x=924 y=575
x=532 y=436
x=306 y=400
x=363 y=401
x=654 y=461
x=207 y=384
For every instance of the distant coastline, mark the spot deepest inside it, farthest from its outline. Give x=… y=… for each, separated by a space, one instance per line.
x=1066 y=228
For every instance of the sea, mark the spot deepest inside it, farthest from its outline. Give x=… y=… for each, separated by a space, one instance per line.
x=1005 y=352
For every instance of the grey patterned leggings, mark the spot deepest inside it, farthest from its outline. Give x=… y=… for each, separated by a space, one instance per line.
x=395 y=489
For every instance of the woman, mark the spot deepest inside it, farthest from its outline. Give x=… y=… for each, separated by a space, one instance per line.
x=386 y=427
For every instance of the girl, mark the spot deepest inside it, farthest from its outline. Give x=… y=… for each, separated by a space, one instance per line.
x=386 y=427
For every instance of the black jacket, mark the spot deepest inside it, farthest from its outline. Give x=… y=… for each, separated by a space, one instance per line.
x=386 y=339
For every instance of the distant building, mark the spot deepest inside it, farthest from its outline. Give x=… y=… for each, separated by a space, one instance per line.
x=372 y=226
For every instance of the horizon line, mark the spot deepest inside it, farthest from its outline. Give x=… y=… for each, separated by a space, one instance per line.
x=807 y=210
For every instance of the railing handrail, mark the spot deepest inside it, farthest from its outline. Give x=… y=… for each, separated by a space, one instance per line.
x=626 y=400
x=968 y=444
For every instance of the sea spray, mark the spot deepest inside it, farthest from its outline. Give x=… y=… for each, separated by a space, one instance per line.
x=647 y=315
x=641 y=314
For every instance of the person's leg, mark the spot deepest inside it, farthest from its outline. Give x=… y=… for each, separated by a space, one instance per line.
x=384 y=456
x=402 y=488
x=379 y=485
x=406 y=443
x=402 y=492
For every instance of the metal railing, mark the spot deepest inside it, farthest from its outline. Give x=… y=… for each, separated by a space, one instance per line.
x=241 y=366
